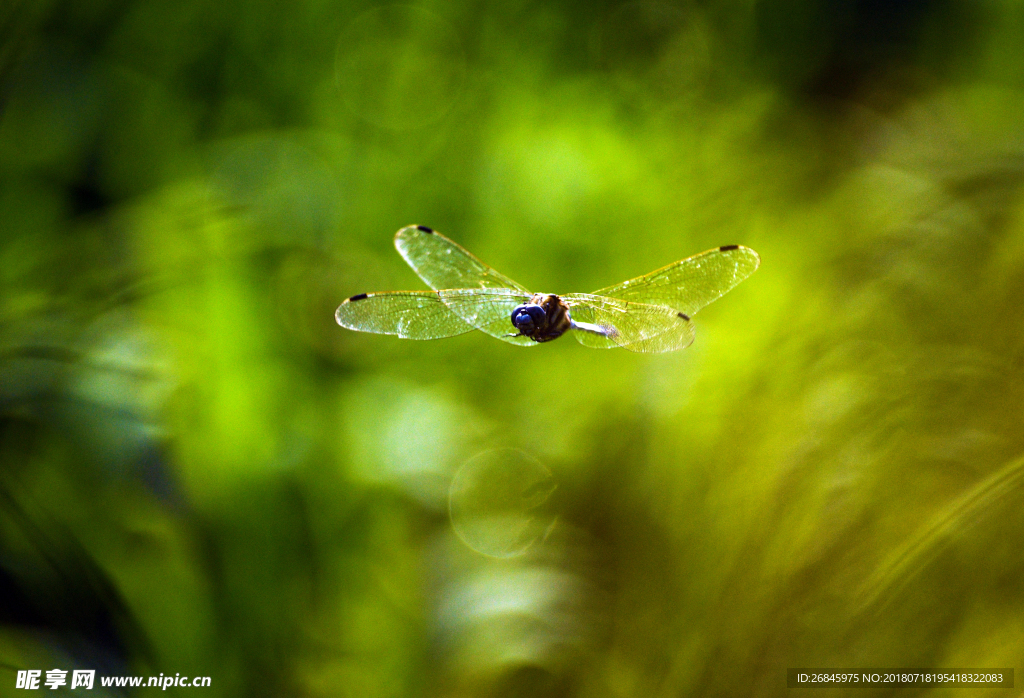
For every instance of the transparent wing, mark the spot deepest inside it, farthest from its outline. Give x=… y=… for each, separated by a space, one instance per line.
x=690 y=284
x=408 y=314
x=488 y=310
x=443 y=264
x=611 y=322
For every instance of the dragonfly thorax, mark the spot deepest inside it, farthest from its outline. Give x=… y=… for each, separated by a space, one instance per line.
x=544 y=318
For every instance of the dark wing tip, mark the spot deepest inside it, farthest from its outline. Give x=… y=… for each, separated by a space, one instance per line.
x=684 y=316
x=424 y=229
x=357 y=297
x=728 y=248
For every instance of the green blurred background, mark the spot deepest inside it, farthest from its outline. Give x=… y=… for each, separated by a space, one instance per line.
x=201 y=473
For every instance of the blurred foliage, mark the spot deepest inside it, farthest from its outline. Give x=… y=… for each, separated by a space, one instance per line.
x=200 y=473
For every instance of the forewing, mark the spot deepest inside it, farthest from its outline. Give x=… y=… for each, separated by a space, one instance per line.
x=639 y=327
x=488 y=310
x=690 y=284
x=408 y=314
x=443 y=264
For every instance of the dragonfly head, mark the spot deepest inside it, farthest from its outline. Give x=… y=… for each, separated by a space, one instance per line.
x=528 y=318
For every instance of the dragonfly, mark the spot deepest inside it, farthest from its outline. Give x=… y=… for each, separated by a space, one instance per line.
x=649 y=314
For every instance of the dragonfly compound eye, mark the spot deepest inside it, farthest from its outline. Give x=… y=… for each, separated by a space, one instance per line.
x=527 y=318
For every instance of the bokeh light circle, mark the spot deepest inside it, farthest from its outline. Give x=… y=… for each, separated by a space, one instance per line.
x=497 y=499
x=399 y=66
